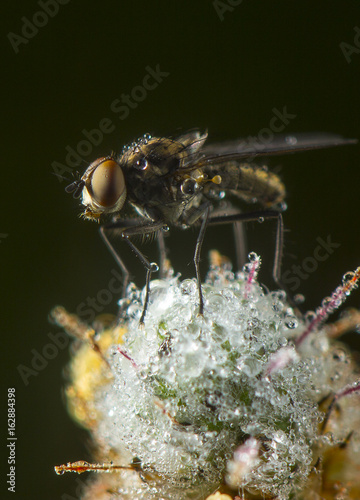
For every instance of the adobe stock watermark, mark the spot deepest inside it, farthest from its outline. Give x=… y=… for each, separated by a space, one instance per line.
x=221 y=7
x=30 y=28
x=87 y=311
x=40 y=360
x=347 y=49
x=298 y=273
x=121 y=107
x=92 y=306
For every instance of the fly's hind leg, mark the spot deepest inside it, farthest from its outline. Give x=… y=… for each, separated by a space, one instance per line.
x=162 y=254
x=239 y=233
x=240 y=244
x=255 y=216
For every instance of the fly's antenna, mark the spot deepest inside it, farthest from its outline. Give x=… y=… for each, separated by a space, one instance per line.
x=75 y=188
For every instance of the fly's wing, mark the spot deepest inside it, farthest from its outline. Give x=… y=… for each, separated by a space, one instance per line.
x=278 y=145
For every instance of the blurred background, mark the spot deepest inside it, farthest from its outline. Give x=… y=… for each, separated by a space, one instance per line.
x=222 y=66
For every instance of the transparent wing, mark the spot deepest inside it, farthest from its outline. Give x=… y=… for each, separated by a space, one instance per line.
x=279 y=144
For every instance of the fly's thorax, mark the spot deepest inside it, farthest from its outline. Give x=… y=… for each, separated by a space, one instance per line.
x=158 y=179
x=152 y=157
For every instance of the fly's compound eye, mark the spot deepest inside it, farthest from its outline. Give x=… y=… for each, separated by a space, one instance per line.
x=189 y=186
x=108 y=183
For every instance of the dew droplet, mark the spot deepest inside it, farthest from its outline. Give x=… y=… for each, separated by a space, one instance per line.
x=347 y=277
x=188 y=287
x=299 y=298
x=310 y=316
x=252 y=256
x=291 y=324
x=339 y=355
x=326 y=302
x=132 y=291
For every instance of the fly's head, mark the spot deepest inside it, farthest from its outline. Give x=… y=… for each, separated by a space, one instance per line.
x=102 y=188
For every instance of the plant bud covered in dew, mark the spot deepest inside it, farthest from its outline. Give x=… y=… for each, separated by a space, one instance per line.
x=214 y=406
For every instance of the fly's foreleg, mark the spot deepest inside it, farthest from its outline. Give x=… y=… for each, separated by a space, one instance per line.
x=199 y=242
x=118 y=259
x=126 y=229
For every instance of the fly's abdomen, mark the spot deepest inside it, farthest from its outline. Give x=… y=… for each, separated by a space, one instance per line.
x=249 y=182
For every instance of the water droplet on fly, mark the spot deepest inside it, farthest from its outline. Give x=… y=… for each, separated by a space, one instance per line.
x=261 y=219
x=216 y=194
x=291 y=140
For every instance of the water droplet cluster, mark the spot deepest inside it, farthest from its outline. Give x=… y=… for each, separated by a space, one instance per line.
x=193 y=404
x=189 y=390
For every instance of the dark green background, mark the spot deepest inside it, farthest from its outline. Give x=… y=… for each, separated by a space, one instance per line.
x=226 y=76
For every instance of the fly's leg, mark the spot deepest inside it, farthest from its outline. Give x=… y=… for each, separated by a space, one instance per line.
x=201 y=211
x=279 y=246
x=162 y=254
x=240 y=244
x=119 y=261
x=150 y=267
x=125 y=229
x=239 y=234
x=199 y=242
x=255 y=216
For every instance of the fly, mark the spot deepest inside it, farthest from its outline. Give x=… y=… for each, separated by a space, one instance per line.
x=160 y=182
